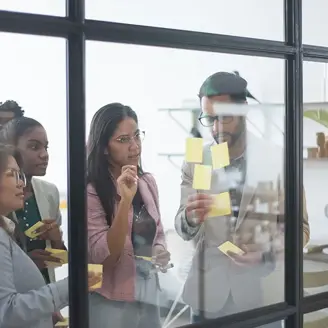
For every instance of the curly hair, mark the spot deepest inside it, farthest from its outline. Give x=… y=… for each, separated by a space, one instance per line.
x=12 y=106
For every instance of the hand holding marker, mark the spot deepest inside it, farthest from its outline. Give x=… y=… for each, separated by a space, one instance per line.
x=156 y=266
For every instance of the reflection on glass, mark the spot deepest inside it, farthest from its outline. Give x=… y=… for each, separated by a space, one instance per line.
x=245 y=176
x=316 y=319
x=214 y=16
x=54 y=8
x=313 y=22
x=315 y=176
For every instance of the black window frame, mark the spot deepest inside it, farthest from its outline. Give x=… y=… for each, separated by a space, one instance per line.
x=76 y=29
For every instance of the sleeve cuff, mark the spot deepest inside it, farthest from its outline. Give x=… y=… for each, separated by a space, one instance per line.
x=59 y=291
x=187 y=228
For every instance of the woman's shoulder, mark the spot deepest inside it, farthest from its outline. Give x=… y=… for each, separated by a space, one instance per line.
x=148 y=177
x=4 y=237
x=150 y=180
x=44 y=185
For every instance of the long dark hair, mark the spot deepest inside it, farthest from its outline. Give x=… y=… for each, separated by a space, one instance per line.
x=103 y=125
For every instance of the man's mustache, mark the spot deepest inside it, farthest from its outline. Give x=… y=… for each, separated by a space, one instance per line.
x=222 y=136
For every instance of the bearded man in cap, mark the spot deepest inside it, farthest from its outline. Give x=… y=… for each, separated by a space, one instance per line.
x=217 y=284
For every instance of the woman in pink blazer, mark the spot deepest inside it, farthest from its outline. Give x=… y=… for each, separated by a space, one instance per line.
x=124 y=224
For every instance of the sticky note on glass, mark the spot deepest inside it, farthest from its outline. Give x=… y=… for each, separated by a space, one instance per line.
x=59 y=254
x=194 y=150
x=96 y=268
x=32 y=231
x=230 y=247
x=202 y=177
x=221 y=205
x=64 y=323
x=145 y=258
x=220 y=155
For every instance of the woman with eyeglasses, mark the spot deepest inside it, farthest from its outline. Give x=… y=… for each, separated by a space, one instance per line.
x=125 y=231
x=41 y=198
x=25 y=299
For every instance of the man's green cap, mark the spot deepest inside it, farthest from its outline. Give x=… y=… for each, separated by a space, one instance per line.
x=224 y=83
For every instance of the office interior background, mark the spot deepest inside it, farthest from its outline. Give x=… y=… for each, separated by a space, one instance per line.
x=160 y=82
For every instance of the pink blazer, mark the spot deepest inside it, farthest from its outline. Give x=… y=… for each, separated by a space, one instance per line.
x=119 y=279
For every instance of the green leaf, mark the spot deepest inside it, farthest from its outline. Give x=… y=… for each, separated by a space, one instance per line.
x=320 y=116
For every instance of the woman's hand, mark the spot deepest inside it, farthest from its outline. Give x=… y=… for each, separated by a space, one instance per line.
x=93 y=279
x=161 y=257
x=50 y=231
x=127 y=182
x=40 y=256
x=57 y=317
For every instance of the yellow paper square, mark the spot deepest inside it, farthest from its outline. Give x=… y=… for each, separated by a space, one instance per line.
x=202 y=177
x=145 y=258
x=96 y=268
x=220 y=155
x=230 y=247
x=53 y=265
x=221 y=205
x=31 y=232
x=64 y=323
x=58 y=253
x=194 y=150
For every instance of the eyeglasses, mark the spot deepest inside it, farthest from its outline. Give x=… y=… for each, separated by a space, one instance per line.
x=138 y=138
x=18 y=175
x=208 y=120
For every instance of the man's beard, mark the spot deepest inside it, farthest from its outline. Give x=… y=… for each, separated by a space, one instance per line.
x=231 y=138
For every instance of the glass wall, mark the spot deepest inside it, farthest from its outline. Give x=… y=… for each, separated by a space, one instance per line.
x=233 y=18
x=222 y=108
x=166 y=102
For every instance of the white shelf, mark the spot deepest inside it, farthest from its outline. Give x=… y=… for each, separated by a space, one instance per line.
x=171 y=154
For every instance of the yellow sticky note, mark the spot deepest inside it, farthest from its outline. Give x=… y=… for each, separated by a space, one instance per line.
x=58 y=253
x=64 y=323
x=194 y=150
x=146 y=258
x=221 y=205
x=230 y=247
x=202 y=177
x=96 y=268
x=31 y=232
x=220 y=155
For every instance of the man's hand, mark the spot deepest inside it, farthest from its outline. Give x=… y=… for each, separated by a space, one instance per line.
x=40 y=256
x=198 y=206
x=252 y=256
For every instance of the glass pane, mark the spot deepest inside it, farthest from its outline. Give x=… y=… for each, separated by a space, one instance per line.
x=316 y=319
x=315 y=175
x=33 y=78
x=54 y=8
x=161 y=86
x=314 y=22
x=252 y=18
